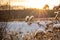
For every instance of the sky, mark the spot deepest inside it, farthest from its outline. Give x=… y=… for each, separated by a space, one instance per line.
x=33 y=3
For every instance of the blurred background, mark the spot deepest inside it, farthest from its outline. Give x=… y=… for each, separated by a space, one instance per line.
x=19 y=9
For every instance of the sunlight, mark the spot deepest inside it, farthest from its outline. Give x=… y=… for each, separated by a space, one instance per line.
x=35 y=3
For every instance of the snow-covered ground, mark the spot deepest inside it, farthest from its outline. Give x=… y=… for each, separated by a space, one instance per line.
x=23 y=27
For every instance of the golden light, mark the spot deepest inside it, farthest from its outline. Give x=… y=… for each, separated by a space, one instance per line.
x=35 y=3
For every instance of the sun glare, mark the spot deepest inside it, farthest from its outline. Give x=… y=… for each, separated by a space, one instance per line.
x=36 y=3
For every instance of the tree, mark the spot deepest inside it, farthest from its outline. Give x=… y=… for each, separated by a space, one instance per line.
x=46 y=7
x=56 y=7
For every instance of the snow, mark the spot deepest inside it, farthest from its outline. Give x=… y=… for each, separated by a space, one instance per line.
x=43 y=24
x=24 y=28
x=49 y=22
x=14 y=26
x=56 y=25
